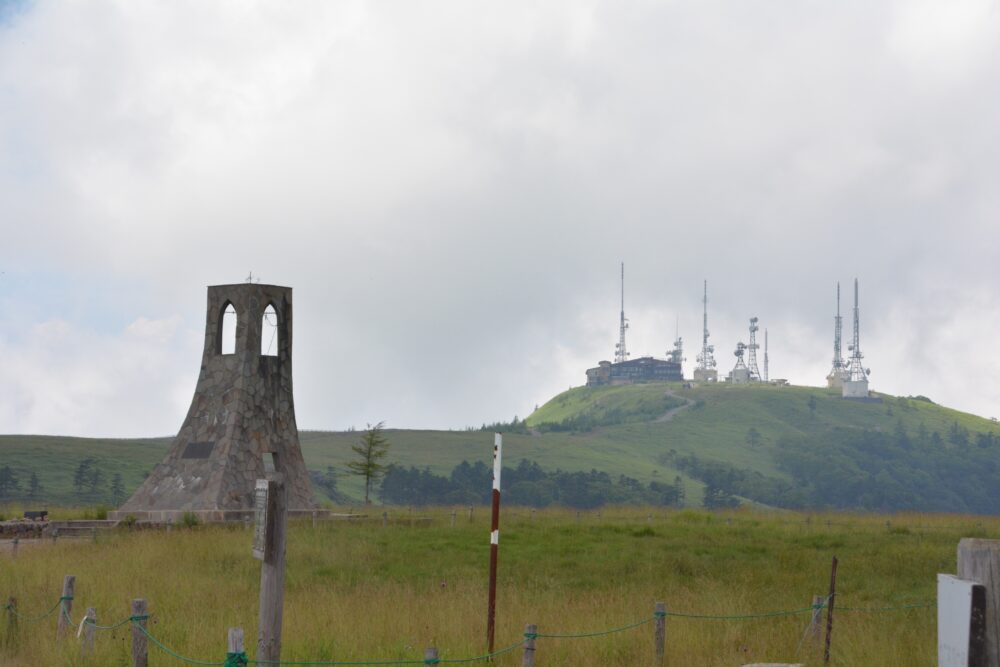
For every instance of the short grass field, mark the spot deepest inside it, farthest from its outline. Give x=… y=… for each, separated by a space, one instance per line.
x=364 y=591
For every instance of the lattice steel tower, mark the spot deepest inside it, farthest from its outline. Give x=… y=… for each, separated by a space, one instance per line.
x=621 y=353
x=857 y=371
x=839 y=372
x=752 y=351
x=705 y=371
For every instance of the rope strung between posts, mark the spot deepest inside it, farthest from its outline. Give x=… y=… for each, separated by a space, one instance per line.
x=597 y=633
x=31 y=619
x=130 y=619
x=241 y=659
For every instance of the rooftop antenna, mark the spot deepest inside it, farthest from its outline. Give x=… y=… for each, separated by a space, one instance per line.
x=766 y=376
x=677 y=354
x=857 y=371
x=621 y=354
x=706 y=360
x=752 y=351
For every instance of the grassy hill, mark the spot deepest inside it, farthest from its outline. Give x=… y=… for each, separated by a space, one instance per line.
x=648 y=432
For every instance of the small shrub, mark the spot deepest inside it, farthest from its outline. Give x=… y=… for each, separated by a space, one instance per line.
x=644 y=532
x=190 y=520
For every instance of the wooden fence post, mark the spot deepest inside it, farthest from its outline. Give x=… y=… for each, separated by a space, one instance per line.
x=55 y=535
x=89 y=629
x=829 y=610
x=979 y=561
x=65 y=605
x=385 y=518
x=470 y=512
x=14 y=548
x=314 y=518
x=660 y=631
x=272 y=575
x=235 y=641
x=140 y=655
x=816 y=621
x=430 y=653
x=530 y=630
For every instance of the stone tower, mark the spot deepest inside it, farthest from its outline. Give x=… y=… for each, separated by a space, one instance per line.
x=241 y=423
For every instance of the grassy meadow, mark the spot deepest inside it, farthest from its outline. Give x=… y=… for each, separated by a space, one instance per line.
x=362 y=590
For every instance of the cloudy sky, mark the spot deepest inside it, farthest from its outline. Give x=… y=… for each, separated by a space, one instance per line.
x=449 y=187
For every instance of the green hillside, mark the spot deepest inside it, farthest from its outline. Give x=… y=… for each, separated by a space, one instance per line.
x=773 y=445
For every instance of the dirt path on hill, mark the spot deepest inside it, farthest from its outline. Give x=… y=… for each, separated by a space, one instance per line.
x=672 y=412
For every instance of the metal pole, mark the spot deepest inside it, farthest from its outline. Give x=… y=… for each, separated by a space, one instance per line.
x=829 y=610
x=491 y=611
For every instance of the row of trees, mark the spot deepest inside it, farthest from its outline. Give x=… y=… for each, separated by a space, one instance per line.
x=845 y=468
x=527 y=484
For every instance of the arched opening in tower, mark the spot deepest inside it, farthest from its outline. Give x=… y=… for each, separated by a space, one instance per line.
x=227 y=330
x=269 y=332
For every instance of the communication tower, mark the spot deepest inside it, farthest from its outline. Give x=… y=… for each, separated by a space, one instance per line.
x=752 y=351
x=621 y=354
x=839 y=373
x=856 y=384
x=706 y=371
x=676 y=355
x=766 y=377
x=740 y=373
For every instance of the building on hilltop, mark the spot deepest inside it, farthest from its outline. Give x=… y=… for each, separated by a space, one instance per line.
x=632 y=371
x=635 y=371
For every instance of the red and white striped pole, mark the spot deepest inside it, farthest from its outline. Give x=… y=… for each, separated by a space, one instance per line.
x=491 y=613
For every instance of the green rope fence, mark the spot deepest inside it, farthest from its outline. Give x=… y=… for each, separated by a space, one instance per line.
x=241 y=659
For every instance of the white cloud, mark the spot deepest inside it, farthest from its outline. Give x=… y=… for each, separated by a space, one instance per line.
x=449 y=188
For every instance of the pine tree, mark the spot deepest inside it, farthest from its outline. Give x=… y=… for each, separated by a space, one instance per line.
x=372 y=449
x=117 y=490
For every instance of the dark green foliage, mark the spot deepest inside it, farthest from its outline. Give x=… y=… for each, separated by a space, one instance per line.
x=9 y=482
x=327 y=482
x=34 y=486
x=527 y=484
x=117 y=490
x=871 y=470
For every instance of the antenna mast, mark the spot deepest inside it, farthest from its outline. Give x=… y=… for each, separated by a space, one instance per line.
x=752 y=349
x=706 y=360
x=765 y=356
x=621 y=354
x=857 y=371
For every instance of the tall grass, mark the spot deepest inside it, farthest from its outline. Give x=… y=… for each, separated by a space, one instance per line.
x=360 y=590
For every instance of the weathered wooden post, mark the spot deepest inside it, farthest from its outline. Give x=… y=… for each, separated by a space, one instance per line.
x=140 y=648
x=660 y=631
x=829 y=610
x=55 y=535
x=979 y=561
x=314 y=518
x=816 y=621
x=431 y=655
x=269 y=547
x=649 y=518
x=454 y=513
x=88 y=630
x=491 y=610
x=385 y=518
x=65 y=605
x=530 y=634
x=470 y=512
x=13 y=552
x=234 y=645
